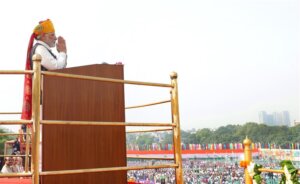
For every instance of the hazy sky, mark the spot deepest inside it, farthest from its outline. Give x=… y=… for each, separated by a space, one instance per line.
x=234 y=58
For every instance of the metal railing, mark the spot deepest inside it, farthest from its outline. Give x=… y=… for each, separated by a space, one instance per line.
x=36 y=122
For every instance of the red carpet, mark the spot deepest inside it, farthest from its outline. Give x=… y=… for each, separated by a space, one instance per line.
x=15 y=181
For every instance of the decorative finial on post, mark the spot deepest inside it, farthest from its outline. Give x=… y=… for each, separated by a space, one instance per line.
x=247 y=142
x=37 y=58
x=173 y=75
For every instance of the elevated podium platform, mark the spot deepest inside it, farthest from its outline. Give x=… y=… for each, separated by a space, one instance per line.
x=68 y=147
x=79 y=136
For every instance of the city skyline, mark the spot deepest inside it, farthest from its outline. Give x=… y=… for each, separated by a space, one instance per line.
x=275 y=118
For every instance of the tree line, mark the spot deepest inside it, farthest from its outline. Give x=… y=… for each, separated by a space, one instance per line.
x=258 y=133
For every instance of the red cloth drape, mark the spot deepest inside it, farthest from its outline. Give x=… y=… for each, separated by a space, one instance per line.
x=27 y=94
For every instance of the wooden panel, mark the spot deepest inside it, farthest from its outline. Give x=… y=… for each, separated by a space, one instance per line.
x=80 y=147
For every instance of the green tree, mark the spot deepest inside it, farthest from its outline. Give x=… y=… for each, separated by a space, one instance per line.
x=145 y=139
x=3 y=139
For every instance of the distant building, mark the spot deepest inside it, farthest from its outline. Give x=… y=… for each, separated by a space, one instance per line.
x=286 y=118
x=275 y=119
x=262 y=116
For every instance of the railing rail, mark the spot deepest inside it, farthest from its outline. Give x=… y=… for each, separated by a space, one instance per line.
x=12 y=134
x=14 y=175
x=105 y=79
x=15 y=122
x=151 y=158
x=6 y=113
x=13 y=155
x=95 y=170
x=274 y=170
x=84 y=123
x=16 y=71
x=150 y=104
x=150 y=130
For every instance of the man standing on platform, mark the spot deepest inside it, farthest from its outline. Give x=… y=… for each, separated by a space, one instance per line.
x=44 y=34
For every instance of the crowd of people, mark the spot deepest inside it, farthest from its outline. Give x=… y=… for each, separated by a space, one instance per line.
x=196 y=171
x=12 y=165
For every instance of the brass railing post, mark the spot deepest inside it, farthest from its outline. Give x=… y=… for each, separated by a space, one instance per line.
x=176 y=132
x=36 y=92
x=247 y=158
